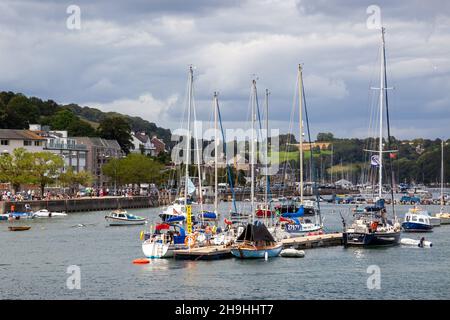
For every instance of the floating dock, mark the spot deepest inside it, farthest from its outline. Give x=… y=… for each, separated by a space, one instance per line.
x=223 y=252
x=308 y=242
x=203 y=253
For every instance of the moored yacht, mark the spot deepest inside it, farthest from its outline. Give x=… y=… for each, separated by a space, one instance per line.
x=371 y=227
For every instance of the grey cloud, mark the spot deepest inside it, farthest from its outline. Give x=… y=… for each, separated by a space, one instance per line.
x=128 y=50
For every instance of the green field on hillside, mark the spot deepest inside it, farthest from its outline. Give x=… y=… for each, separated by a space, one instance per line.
x=293 y=155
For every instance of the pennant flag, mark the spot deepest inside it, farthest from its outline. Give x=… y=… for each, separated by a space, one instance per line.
x=375 y=160
x=191 y=187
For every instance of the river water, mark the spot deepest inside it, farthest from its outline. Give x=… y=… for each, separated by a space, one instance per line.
x=33 y=265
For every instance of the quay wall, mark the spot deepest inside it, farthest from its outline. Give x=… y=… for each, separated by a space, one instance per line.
x=88 y=204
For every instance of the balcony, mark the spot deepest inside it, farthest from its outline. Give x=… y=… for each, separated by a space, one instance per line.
x=65 y=146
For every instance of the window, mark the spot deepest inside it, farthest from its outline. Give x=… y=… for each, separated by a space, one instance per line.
x=37 y=143
x=27 y=142
x=4 y=142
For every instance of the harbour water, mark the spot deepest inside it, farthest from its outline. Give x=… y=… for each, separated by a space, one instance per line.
x=34 y=263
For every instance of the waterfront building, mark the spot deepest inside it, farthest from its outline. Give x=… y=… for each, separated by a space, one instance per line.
x=100 y=151
x=143 y=144
x=159 y=145
x=11 y=139
x=58 y=142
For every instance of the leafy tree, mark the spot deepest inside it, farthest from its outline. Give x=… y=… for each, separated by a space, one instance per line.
x=16 y=168
x=20 y=112
x=81 y=128
x=62 y=119
x=73 y=179
x=113 y=169
x=45 y=169
x=328 y=136
x=134 y=169
x=117 y=128
x=2 y=115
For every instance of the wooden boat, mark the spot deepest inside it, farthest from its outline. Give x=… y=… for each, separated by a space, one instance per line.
x=256 y=242
x=19 y=228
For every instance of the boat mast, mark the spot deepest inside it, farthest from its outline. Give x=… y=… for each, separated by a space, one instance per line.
x=252 y=147
x=197 y=152
x=266 y=200
x=442 y=176
x=380 y=150
x=188 y=135
x=300 y=101
x=216 y=142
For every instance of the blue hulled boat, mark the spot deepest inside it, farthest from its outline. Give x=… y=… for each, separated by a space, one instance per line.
x=417 y=221
x=256 y=242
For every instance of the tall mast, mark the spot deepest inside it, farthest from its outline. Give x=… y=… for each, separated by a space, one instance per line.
x=216 y=142
x=380 y=150
x=252 y=147
x=300 y=101
x=197 y=152
x=442 y=175
x=266 y=200
x=188 y=134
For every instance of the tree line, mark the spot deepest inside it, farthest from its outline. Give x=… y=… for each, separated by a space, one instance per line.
x=39 y=168
x=18 y=111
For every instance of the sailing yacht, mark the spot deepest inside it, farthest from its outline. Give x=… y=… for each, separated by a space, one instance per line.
x=294 y=222
x=372 y=227
x=255 y=241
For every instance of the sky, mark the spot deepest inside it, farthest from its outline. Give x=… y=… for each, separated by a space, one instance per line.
x=133 y=57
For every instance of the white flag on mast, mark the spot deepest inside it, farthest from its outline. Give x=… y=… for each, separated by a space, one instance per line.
x=375 y=160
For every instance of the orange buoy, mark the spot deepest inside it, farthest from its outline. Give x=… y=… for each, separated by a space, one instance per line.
x=141 y=261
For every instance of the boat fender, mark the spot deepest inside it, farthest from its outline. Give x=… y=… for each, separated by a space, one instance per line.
x=141 y=236
x=189 y=241
x=141 y=261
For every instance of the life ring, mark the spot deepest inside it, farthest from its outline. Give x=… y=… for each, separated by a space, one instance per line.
x=189 y=241
x=374 y=226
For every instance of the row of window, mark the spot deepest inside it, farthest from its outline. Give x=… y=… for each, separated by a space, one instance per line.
x=26 y=143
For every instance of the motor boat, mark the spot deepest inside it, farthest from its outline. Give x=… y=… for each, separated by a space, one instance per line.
x=123 y=218
x=44 y=213
x=443 y=217
x=417 y=221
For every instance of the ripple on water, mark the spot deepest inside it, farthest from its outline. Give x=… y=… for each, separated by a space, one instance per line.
x=34 y=266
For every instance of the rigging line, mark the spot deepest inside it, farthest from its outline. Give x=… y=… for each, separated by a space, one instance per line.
x=311 y=153
x=197 y=150
x=230 y=172
x=286 y=163
x=388 y=128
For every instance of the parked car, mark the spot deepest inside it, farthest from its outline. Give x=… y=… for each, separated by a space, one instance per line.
x=409 y=200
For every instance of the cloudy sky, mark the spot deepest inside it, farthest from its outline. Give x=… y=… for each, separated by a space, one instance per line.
x=133 y=57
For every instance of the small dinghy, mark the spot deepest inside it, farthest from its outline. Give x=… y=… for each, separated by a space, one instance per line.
x=416 y=243
x=19 y=228
x=292 y=253
x=44 y=213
